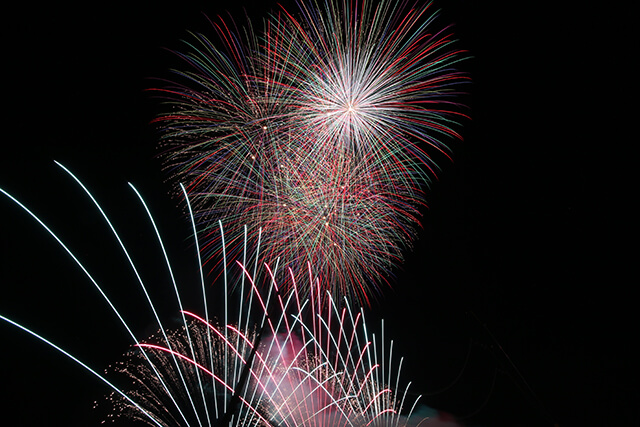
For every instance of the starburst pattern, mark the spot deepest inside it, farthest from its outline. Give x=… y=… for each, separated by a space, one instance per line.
x=321 y=129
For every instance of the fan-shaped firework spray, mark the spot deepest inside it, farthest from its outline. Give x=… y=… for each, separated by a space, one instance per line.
x=319 y=129
x=269 y=358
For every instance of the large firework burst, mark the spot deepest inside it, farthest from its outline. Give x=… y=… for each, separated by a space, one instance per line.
x=271 y=358
x=321 y=129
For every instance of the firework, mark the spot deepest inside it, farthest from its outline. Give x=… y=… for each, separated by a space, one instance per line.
x=302 y=368
x=294 y=359
x=320 y=129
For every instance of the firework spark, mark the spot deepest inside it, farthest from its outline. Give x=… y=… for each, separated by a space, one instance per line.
x=271 y=358
x=321 y=129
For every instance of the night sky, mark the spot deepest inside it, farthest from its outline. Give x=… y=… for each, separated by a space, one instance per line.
x=515 y=307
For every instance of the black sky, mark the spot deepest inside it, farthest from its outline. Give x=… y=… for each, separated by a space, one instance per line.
x=521 y=274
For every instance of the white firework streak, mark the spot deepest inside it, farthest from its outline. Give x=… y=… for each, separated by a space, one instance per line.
x=272 y=358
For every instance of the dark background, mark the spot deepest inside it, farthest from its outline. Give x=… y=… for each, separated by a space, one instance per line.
x=517 y=305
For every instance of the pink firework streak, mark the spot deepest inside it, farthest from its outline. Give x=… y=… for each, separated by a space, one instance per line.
x=300 y=358
x=311 y=362
x=318 y=133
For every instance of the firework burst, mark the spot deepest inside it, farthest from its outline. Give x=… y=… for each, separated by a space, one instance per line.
x=271 y=358
x=319 y=129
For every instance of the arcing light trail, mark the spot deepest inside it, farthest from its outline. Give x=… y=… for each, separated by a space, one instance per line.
x=288 y=358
